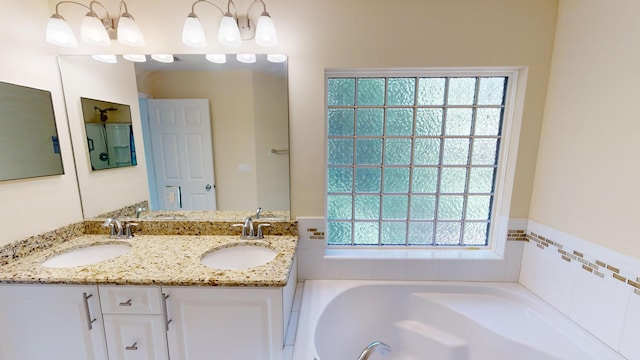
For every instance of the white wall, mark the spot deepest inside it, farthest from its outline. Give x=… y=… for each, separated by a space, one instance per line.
x=587 y=173
x=32 y=206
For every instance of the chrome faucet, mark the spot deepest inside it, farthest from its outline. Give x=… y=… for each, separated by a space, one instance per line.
x=117 y=230
x=138 y=211
x=249 y=231
x=115 y=227
x=381 y=347
x=258 y=211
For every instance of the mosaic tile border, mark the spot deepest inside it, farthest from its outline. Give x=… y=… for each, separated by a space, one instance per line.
x=588 y=263
x=516 y=235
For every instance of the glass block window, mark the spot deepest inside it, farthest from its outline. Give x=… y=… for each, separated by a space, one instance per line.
x=412 y=160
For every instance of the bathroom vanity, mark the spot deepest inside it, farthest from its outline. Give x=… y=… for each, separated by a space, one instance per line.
x=156 y=301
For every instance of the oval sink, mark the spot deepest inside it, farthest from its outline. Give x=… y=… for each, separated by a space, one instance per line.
x=87 y=255
x=238 y=257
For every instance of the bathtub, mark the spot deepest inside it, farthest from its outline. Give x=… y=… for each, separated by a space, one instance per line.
x=436 y=321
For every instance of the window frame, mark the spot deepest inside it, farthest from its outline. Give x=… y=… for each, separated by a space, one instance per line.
x=508 y=150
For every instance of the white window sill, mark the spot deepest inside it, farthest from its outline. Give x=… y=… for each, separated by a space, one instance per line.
x=400 y=254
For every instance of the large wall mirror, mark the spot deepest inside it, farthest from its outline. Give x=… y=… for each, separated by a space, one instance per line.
x=28 y=135
x=246 y=162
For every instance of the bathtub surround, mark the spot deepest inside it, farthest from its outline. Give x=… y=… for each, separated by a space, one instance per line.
x=596 y=287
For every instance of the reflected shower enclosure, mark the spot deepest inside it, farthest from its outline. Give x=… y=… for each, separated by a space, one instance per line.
x=109 y=134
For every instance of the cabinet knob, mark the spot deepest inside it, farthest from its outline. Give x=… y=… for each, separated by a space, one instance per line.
x=132 y=347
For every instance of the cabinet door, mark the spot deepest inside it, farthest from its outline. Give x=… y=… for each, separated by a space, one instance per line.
x=136 y=337
x=224 y=323
x=50 y=321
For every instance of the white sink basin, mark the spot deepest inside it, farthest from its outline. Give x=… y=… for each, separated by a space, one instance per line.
x=238 y=257
x=87 y=255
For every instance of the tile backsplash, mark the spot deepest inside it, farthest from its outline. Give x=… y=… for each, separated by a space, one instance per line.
x=594 y=286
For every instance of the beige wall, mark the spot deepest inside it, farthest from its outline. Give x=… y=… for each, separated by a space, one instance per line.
x=34 y=206
x=105 y=190
x=587 y=173
x=326 y=34
x=271 y=124
x=318 y=35
x=232 y=121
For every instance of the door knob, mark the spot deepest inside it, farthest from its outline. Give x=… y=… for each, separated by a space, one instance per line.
x=208 y=187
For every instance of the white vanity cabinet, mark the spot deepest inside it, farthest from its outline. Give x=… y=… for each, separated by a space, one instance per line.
x=134 y=322
x=51 y=321
x=228 y=323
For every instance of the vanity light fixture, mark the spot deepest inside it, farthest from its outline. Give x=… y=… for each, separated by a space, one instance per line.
x=163 y=58
x=106 y=58
x=92 y=30
x=95 y=30
x=216 y=58
x=276 y=58
x=246 y=58
x=135 y=57
x=232 y=29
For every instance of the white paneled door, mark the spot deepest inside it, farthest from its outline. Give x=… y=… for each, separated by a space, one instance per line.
x=182 y=155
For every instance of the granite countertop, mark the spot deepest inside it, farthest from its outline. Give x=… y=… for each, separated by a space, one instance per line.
x=171 y=260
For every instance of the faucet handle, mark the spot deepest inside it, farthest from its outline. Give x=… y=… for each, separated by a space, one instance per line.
x=260 y=232
x=128 y=232
x=112 y=227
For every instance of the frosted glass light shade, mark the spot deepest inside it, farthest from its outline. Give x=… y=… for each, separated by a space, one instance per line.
x=129 y=32
x=192 y=32
x=216 y=58
x=276 y=58
x=163 y=58
x=106 y=58
x=92 y=31
x=246 y=58
x=59 y=32
x=135 y=57
x=266 y=32
x=228 y=33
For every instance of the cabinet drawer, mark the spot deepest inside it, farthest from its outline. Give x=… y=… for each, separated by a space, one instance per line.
x=130 y=300
x=136 y=337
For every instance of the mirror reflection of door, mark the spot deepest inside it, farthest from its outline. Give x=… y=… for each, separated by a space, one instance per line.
x=180 y=154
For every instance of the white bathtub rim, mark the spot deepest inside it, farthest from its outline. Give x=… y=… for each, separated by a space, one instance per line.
x=318 y=293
